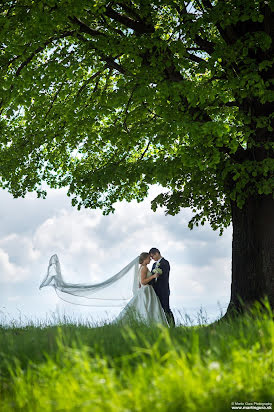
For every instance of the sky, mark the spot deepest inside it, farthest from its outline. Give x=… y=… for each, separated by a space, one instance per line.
x=92 y=247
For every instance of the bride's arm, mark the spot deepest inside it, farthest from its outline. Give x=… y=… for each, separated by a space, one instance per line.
x=144 y=279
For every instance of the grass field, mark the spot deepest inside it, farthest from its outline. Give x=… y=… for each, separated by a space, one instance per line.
x=202 y=368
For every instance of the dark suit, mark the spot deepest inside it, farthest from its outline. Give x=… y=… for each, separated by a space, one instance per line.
x=161 y=287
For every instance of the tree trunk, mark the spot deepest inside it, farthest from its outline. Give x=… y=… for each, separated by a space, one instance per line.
x=252 y=253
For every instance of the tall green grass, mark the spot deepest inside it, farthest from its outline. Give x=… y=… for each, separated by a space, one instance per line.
x=136 y=367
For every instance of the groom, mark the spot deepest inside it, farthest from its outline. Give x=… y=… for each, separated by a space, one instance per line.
x=161 y=284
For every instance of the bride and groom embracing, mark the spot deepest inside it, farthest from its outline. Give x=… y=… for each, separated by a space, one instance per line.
x=151 y=302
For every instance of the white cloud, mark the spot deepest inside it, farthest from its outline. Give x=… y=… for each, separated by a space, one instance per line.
x=14 y=298
x=9 y=271
x=19 y=248
x=208 y=282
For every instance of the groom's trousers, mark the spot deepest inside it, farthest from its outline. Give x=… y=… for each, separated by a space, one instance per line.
x=170 y=318
x=164 y=299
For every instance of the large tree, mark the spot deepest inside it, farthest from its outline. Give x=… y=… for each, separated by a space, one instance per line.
x=109 y=97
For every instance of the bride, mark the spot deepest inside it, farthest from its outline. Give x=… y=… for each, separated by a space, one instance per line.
x=145 y=304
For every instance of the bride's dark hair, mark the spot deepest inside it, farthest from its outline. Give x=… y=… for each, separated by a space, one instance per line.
x=143 y=256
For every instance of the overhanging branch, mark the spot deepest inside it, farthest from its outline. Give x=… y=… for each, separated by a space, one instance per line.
x=85 y=28
x=138 y=26
x=86 y=82
x=144 y=152
x=111 y=63
x=195 y=58
x=41 y=48
x=54 y=99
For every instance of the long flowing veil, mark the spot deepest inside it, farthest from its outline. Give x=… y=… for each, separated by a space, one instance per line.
x=114 y=291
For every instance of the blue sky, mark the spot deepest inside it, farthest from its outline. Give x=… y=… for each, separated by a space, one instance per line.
x=91 y=247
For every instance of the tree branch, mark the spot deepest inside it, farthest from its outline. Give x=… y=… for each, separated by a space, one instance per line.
x=26 y=62
x=108 y=59
x=127 y=106
x=130 y=10
x=112 y=64
x=108 y=26
x=107 y=81
x=146 y=149
x=195 y=58
x=205 y=45
x=90 y=79
x=85 y=28
x=227 y=34
x=138 y=26
x=151 y=112
x=40 y=48
x=54 y=98
x=207 y=4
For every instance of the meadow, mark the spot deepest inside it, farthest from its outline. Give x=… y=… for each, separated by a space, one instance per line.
x=109 y=367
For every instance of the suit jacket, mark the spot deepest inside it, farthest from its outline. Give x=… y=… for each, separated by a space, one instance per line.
x=161 y=286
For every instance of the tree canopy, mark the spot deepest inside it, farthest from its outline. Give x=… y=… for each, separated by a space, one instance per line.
x=109 y=97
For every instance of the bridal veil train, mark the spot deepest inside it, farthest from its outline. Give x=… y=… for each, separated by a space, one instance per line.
x=122 y=288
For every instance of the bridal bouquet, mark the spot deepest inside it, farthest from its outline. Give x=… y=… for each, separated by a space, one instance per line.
x=157 y=270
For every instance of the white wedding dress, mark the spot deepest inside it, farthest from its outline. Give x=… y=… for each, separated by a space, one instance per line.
x=145 y=306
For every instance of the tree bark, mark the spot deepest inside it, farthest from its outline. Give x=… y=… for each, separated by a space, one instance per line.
x=252 y=253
